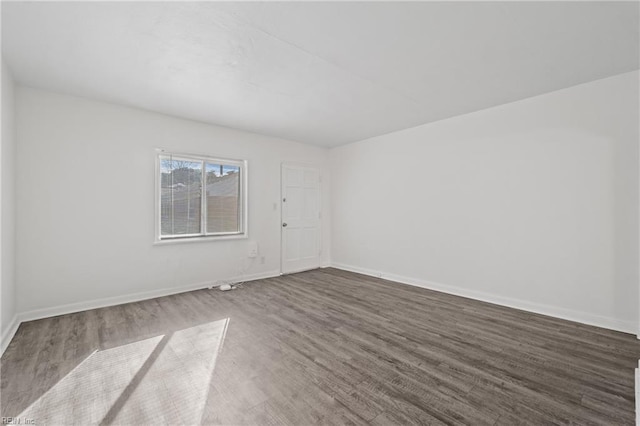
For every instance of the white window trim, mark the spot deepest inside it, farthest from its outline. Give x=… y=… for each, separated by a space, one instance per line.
x=203 y=237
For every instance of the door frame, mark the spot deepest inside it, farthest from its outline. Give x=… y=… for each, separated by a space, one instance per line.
x=320 y=206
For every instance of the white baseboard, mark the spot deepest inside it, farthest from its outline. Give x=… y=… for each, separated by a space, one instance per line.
x=8 y=334
x=553 y=311
x=134 y=297
x=581 y=317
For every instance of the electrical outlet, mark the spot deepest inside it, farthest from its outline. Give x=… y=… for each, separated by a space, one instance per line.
x=252 y=249
x=262 y=260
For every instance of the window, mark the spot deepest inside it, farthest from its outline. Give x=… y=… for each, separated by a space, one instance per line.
x=200 y=197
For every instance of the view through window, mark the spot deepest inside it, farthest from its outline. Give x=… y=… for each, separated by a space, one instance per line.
x=200 y=196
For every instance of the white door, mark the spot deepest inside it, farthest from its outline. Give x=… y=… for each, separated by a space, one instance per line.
x=300 y=223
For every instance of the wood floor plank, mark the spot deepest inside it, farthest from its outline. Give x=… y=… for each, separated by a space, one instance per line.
x=318 y=347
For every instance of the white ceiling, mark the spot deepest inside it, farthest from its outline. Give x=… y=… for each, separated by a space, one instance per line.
x=322 y=73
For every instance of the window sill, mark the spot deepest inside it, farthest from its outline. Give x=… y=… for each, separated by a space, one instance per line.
x=210 y=238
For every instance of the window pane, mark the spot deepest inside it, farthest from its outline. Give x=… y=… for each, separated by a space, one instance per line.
x=181 y=197
x=223 y=198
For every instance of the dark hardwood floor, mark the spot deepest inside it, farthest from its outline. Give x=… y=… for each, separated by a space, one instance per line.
x=323 y=346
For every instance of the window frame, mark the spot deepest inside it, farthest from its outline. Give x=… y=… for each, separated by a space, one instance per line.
x=203 y=235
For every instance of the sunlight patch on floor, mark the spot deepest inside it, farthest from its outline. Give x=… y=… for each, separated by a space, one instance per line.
x=164 y=379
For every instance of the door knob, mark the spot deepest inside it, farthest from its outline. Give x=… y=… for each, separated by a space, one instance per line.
x=284 y=225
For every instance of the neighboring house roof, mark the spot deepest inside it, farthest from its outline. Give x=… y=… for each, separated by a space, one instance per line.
x=224 y=186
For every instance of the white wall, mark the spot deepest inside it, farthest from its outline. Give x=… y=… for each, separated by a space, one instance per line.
x=532 y=204
x=85 y=180
x=7 y=212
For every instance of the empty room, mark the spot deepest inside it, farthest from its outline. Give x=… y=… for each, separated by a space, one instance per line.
x=299 y=213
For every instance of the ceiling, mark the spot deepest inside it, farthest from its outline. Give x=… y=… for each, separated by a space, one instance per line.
x=324 y=73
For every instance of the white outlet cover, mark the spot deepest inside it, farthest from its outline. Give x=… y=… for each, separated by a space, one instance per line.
x=252 y=249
